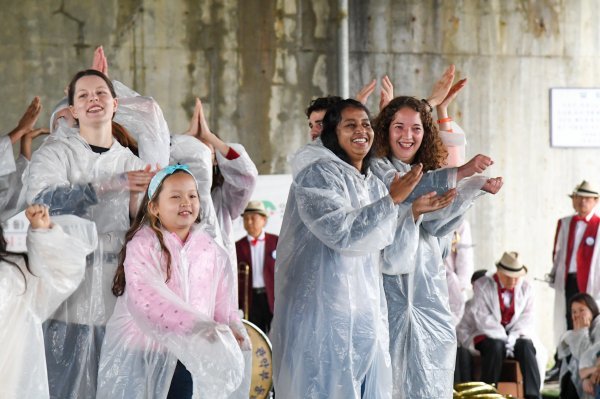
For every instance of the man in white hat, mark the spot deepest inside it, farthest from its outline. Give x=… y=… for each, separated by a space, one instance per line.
x=503 y=324
x=256 y=267
x=576 y=264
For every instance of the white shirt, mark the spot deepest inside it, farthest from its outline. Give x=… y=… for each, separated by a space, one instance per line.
x=579 y=230
x=507 y=298
x=257 y=254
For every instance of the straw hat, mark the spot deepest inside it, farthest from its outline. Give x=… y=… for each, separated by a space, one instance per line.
x=509 y=265
x=256 y=207
x=585 y=189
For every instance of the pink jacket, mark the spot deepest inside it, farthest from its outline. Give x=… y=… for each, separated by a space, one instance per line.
x=199 y=278
x=156 y=321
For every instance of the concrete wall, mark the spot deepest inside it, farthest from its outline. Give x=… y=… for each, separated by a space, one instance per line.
x=256 y=64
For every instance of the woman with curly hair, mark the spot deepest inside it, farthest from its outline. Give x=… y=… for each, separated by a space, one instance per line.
x=421 y=330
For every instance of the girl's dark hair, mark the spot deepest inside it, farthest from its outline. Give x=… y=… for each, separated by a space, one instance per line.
x=218 y=179
x=4 y=254
x=432 y=153
x=587 y=300
x=118 y=131
x=331 y=120
x=144 y=217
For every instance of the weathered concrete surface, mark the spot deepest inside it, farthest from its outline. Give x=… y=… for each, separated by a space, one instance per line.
x=256 y=64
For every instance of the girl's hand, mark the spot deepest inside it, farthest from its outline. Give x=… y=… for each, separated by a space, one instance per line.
x=38 y=216
x=477 y=164
x=432 y=202
x=402 y=186
x=243 y=343
x=364 y=93
x=494 y=185
x=387 y=92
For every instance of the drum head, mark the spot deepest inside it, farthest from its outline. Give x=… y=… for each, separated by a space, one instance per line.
x=262 y=362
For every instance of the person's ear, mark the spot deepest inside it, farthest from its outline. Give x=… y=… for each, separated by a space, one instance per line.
x=153 y=209
x=73 y=112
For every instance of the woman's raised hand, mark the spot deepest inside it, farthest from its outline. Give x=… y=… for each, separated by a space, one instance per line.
x=100 y=63
x=493 y=185
x=441 y=87
x=363 y=94
x=138 y=180
x=387 y=92
x=402 y=186
x=38 y=216
x=477 y=164
x=432 y=202
x=458 y=86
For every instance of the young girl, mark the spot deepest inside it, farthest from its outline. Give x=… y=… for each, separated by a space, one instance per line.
x=170 y=336
x=30 y=289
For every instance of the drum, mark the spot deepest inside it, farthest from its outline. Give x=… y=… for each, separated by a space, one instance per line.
x=262 y=363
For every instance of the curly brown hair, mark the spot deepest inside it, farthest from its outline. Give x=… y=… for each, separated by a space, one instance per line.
x=432 y=153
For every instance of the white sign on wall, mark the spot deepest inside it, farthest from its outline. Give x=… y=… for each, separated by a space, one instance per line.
x=574 y=117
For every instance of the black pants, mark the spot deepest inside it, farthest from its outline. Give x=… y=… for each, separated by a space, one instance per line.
x=567 y=388
x=571 y=288
x=260 y=314
x=462 y=370
x=493 y=353
x=182 y=386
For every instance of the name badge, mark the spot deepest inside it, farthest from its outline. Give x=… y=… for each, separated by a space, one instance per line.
x=589 y=241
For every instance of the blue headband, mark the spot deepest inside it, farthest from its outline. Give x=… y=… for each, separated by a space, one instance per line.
x=161 y=174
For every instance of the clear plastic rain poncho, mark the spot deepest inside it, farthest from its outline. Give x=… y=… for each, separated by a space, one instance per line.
x=422 y=334
x=190 y=151
x=11 y=200
x=580 y=347
x=329 y=331
x=66 y=175
x=231 y=198
x=156 y=322
x=57 y=261
x=143 y=118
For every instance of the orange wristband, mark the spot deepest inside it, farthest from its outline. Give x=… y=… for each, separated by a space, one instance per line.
x=444 y=120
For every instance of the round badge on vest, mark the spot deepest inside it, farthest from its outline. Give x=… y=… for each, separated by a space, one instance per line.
x=274 y=254
x=589 y=241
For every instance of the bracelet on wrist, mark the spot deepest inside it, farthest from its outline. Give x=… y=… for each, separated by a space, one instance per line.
x=428 y=105
x=444 y=120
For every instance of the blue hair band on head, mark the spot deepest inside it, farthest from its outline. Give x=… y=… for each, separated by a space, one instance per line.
x=161 y=174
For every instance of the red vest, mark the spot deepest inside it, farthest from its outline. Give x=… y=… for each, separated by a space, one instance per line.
x=584 y=251
x=506 y=313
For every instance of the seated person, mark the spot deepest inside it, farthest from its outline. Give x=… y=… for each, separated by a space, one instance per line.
x=576 y=342
x=502 y=312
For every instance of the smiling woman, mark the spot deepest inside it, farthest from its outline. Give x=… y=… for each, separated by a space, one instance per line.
x=422 y=336
x=347 y=132
x=85 y=171
x=327 y=278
